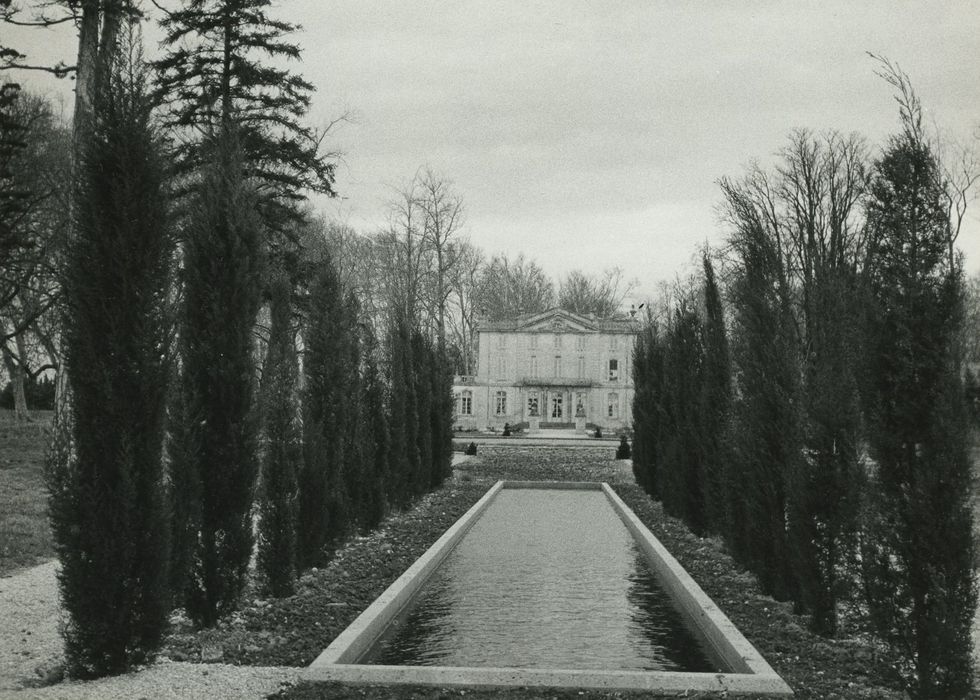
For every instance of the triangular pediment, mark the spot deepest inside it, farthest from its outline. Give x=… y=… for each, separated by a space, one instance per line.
x=557 y=321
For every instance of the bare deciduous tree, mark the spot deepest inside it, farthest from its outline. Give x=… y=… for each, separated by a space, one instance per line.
x=602 y=295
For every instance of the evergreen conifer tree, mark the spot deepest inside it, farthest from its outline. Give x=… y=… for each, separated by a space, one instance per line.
x=222 y=274
x=374 y=501
x=108 y=505
x=917 y=548
x=715 y=405
x=767 y=420
x=442 y=418
x=683 y=478
x=325 y=389
x=402 y=414
x=237 y=110
x=226 y=66
x=825 y=485
x=283 y=448
x=425 y=405
x=647 y=414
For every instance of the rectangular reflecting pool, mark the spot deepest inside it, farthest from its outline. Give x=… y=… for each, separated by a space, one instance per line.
x=548 y=584
x=546 y=578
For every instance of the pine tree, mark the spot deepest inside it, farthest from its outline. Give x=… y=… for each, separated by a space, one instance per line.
x=917 y=547
x=108 y=506
x=226 y=68
x=283 y=453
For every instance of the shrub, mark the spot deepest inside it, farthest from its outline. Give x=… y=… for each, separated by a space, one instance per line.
x=471 y=449
x=623 y=451
x=598 y=431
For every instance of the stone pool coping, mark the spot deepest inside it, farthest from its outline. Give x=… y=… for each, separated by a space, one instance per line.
x=752 y=674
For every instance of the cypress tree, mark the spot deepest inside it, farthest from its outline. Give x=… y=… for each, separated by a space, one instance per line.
x=376 y=434
x=825 y=484
x=283 y=449
x=442 y=418
x=325 y=390
x=917 y=547
x=108 y=507
x=402 y=414
x=222 y=268
x=648 y=429
x=767 y=421
x=424 y=401
x=682 y=470
x=715 y=404
x=355 y=471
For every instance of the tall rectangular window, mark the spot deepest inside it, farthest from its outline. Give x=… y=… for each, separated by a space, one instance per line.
x=557 y=365
x=532 y=403
x=533 y=341
x=500 y=403
x=580 y=342
x=534 y=366
x=466 y=403
x=614 y=342
x=613 y=370
x=581 y=367
x=612 y=405
x=557 y=341
x=556 y=407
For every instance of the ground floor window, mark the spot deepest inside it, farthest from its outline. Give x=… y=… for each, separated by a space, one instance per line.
x=500 y=403
x=613 y=405
x=532 y=403
x=556 y=406
x=466 y=403
x=580 y=405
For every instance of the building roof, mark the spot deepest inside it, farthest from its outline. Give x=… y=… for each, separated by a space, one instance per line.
x=556 y=320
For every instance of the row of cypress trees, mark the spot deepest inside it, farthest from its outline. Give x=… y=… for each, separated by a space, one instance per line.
x=822 y=432
x=183 y=459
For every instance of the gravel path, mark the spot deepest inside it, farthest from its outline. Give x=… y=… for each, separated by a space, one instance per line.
x=28 y=625
x=29 y=640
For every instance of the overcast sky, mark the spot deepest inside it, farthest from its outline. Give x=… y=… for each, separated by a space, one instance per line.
x=592 y=134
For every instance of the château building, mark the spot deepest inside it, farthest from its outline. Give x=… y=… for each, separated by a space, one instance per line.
x=553 y=369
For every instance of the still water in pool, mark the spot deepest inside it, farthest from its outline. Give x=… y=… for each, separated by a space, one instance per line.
x=544 y=579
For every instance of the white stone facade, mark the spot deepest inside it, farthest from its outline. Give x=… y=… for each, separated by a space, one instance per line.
x=552 y=369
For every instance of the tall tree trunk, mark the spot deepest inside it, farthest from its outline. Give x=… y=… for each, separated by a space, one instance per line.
x=16 y=372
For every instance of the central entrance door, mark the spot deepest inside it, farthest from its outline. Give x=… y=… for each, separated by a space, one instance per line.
x=556 y=405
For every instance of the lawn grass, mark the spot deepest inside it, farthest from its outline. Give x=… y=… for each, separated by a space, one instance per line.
x=25 y=536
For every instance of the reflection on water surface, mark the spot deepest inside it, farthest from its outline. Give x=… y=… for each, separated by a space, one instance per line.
x=544 y=579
